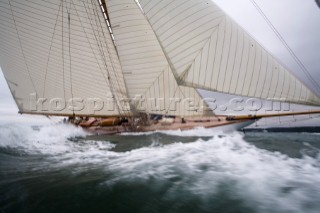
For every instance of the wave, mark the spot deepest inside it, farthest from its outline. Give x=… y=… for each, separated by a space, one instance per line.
x=197 y=132
x=47 y=139
x=270 y=181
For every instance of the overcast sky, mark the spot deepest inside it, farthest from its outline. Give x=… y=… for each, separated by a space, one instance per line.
x=298 y=21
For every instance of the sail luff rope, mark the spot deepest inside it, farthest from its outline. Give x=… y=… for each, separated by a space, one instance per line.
x=110 y=55
x=100 y=47
x=69 y=26
x=103 y=6
x=112 y=65
x=62 y=47
x=104 y=10
x=50 y=48
x=171 y=67
x=90 y=44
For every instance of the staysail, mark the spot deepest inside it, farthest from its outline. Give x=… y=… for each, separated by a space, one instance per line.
x=146 y=70
x=59 y=59
x=206 y=49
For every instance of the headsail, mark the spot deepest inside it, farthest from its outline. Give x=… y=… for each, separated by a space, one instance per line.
x=207 y=49
x=59 y=59
x=146 y=69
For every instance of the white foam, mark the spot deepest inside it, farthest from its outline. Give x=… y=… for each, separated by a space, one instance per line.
x=262 y=177
x=269 y=181
x=48 y=139
x=198 y=132
x=266 y=180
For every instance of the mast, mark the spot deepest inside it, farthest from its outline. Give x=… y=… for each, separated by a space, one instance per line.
x=61 y=58
x=65 y=50
x=208 y=50
x=107 y=18
x=148 y=75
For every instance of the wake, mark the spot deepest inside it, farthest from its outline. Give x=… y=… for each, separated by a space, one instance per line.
x=270 y=181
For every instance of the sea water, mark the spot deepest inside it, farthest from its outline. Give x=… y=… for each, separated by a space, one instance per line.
x=60 y=168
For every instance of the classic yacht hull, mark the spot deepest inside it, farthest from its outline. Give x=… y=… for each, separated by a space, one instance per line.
x=218 y=124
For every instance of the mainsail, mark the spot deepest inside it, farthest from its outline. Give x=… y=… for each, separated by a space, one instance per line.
x=58 y=58
x=61 y=57
x=146 y=70
x=207 y=49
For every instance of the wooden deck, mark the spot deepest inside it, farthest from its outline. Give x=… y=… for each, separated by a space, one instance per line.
x=191 y=123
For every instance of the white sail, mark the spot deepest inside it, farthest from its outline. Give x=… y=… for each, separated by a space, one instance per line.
x=59 y=59
x=208 y=50
x=145 y=67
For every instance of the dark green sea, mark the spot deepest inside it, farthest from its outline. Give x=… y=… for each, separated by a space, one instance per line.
x=59 y=168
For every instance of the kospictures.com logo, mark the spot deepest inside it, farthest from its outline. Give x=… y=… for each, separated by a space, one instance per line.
x=140 y=103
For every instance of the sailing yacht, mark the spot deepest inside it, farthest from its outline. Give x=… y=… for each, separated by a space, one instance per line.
x=123 y=65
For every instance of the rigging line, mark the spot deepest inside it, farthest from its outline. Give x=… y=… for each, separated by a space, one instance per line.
x=289 y=87
x=282 y=87
x=271 y=89
x=117 y=78
x=247 y=64
x=164 y=86
x=170 y=102
x=112 y=86
x=99 y=44
x=24 y=57
x=103 y=7
x=229 y=52
x=154 y=92
x=25 y=12
x=295 y=57
x=258 y=80
x=106 y=16
x=264 y=90
x=90 y=44
x=237 y=84
x=235 y=56
x=174 y=95
x=62 y=47
x=256 y=54
x=69 y=28
x=114 y=45
x=49 y=56
x=99 y=47
x=42 y=22
x=194 y=95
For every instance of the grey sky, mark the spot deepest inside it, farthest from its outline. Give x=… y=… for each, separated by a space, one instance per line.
x=9 y=110
x=7 y=104
x=298 y=21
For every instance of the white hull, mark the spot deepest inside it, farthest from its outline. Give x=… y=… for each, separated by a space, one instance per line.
x=233 y=127
x=216 y=124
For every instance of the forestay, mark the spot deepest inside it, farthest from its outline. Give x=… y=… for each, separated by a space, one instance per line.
x=59 y=59
x=208 y=50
